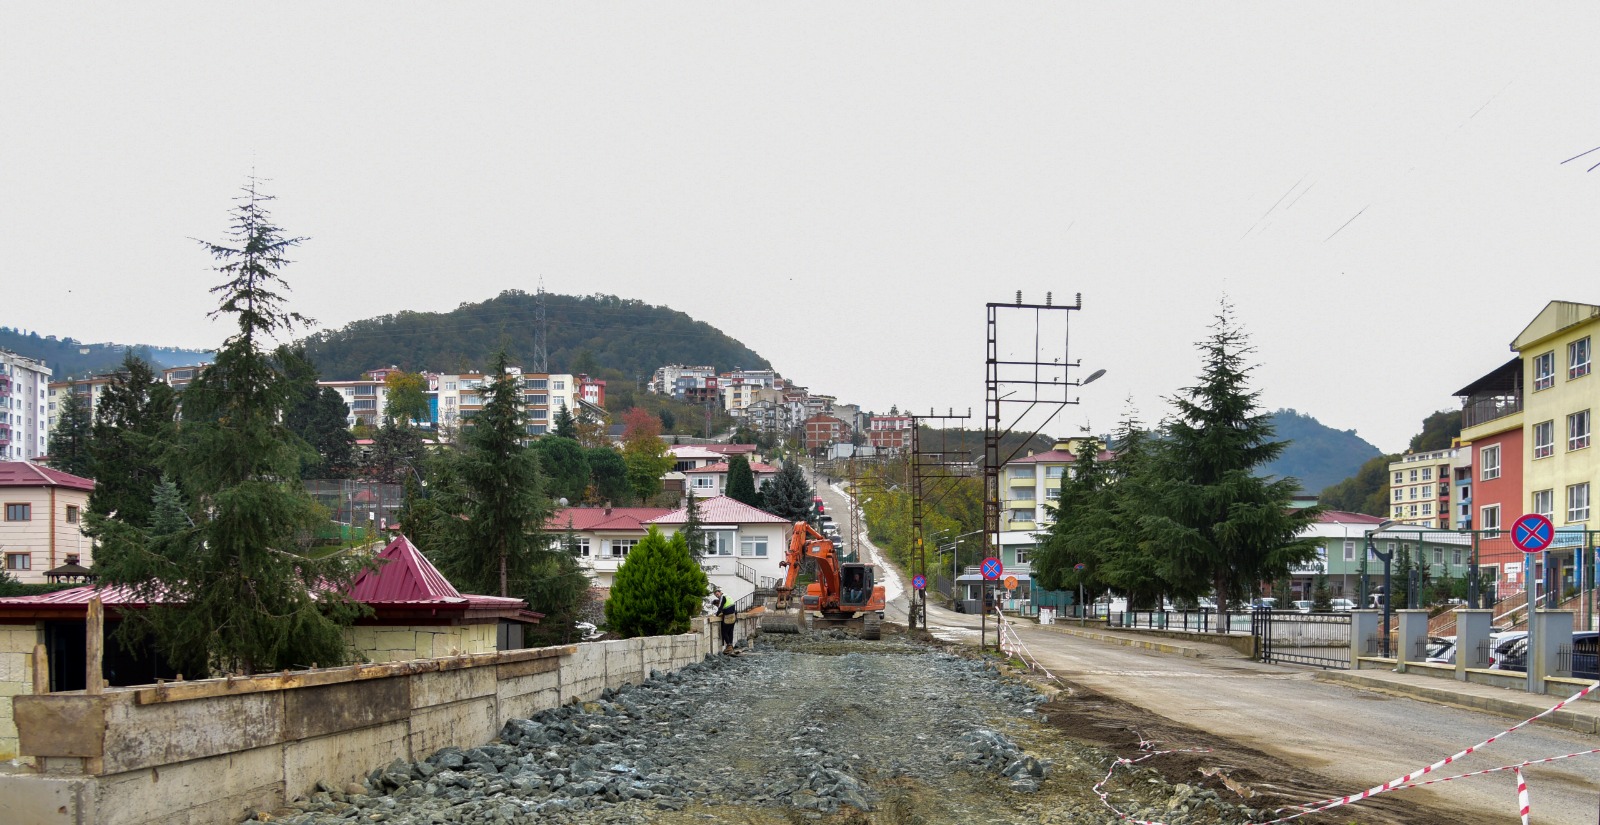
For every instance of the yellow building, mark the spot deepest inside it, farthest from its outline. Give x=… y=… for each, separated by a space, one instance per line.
x=1419 y=488
x=1561 y=394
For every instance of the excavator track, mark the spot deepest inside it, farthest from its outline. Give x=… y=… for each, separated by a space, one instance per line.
x=871 y=628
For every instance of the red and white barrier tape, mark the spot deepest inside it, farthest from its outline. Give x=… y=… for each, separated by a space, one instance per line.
x=1012 y=645
x=1409 y=780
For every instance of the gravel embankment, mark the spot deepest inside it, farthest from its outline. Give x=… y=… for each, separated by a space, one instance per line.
x=815 y=727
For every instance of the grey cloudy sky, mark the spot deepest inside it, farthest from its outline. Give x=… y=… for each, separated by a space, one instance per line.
x=1377 y=187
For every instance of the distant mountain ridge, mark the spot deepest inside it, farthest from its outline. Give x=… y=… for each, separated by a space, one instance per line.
x=593 y=334
x=1317 y=454
x=69 y=357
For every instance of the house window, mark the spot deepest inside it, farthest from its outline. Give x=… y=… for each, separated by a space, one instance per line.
x=1578 y=359
x=72 y=514
x=1578 y=502
x=1413 y=511
x=1413 y=476
x=1399 y=477
x=1413 y=493
x=1349 y=550
x=1052 y=494
x=1544 y=439
x=1489 y=521
x=1544 y=503
x=1022 y=555
x=705 y=482
x=1427 y=508
x=1438 y=555
x=1578 y=430
x=539 y=415
x=1544 y=371
x=1427 y=473
x=1455 y=557
x=1399 y=493
x=1399 y=510
x=19 y=512
x=1023 y=494
x=1489 y=461
x=753 y=547
x=719 y=543
x=1022 y=515
x=1056 y=471
x=558 y=385
x=19 y=561
x=537 y=400
x=580 y=546
x=620 y=547
x=537 y=384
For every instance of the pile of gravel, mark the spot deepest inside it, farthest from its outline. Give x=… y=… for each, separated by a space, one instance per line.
x=815 y=734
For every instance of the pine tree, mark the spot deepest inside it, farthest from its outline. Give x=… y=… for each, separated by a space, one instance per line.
x=741 y=482
x=657 y=590
x=237 y=591
x=565 y=466
x=608 y=474
x=1218 y=521
x=319 y=419
x=788 y=496
x=132 y=430
x=565 y=425
x=1321 y=596
x=694 y=531
x=502 y=496
x=169 y=514
x=70 y=440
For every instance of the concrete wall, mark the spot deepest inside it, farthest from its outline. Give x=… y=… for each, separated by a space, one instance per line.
x=16 y=678
x=202 y=752
x=378 y=643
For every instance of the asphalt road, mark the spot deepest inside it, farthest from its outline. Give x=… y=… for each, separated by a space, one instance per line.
x=1348 y=735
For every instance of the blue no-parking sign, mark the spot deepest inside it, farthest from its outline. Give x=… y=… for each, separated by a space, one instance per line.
x=1532 y=533
x=992 y=568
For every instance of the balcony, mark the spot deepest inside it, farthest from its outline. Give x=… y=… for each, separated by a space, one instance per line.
x=5 y=386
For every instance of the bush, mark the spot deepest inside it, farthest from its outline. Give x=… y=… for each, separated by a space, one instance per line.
x=657 y=590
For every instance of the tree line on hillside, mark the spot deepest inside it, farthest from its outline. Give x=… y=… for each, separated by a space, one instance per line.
x=1367 y=491
x=599 y=335
x=70 y=358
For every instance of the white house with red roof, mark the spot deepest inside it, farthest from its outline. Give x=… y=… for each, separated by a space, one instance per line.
x=602 y=536
x=1341 y=539
x=41 y=525
x=712 y=479
x=744 y=545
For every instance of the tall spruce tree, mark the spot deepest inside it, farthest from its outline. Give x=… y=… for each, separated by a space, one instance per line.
x=565 y=426
x=787 y=495
x=132 y=430
x=694 y=530
x=318 y=418
x=741 y=482
x=237 y=591
x=1219 y=522
x=70 y=440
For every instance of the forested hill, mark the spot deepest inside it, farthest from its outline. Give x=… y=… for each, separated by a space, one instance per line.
x=1318 y=455
x=596 y=334
x=70 y=358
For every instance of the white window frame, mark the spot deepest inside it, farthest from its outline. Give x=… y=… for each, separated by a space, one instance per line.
x=719 y=543
x=1427 y=473
x=1052 y=494
x=1544 y=371
x=1489 y=462
x=1489 y=520
x=704 y=482
x=753 y=547
x=582 y=546
x=1055 y=471
x=1578 y=358
x=1544 y=439
x=1544 y=503
x=1438 y=555
x=19 y=561
x=620 y=547
x=1577 y=502
x=1349 y=550
x=1579 y=427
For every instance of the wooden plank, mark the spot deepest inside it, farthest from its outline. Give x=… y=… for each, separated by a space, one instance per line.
x=41 y=670
x=60 y=725
x=527 y=667
x=95 y=630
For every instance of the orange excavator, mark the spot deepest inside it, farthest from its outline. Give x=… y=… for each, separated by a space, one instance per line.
x=843 y=595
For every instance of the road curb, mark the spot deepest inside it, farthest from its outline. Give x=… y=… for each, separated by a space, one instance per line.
x=1516 y=709
x=1144 y=644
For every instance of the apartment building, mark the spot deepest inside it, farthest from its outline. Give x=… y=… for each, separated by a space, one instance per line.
x=364 y=400
x=42 y=524
x=24 y=412
x=89 y=391
x=890 y=433
x=1419 y=488
x=823 y=430
x=591 y=390
x=686 y=383
x=1492 y=431
x=179 y=378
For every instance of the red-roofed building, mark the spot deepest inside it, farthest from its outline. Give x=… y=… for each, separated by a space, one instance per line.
x=743 y=544
x=602 y=536
x=822 y=430
x=712 y=479
x=42 y=519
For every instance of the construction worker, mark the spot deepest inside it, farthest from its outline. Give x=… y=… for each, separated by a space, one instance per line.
x=725 y=612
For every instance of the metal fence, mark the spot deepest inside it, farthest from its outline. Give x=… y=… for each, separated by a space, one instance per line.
x=1194 y=621
x=1291 y=637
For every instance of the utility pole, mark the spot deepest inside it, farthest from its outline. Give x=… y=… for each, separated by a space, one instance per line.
x=929 y=469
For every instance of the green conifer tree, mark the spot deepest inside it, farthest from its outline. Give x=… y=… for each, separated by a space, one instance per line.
x=237 y=592
x=694 y=531
x=741 y=482
x=70 y=448
x=132 y=430
x=657 y=590
x=788 y=496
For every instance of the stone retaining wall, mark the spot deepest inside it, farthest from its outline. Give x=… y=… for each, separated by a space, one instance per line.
x=204 y=752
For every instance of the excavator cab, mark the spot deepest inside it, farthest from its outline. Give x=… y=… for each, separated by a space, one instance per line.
x=855 y=585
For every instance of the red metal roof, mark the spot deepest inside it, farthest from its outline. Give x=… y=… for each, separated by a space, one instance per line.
x=722 y=510
x=403 y=574
x=755 y=467
x=28 y=474
x=585 y=519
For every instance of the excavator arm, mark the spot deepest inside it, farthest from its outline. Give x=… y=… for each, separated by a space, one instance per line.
x=806 y=541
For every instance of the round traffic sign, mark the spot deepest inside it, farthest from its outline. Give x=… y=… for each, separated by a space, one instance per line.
x=992 y=568
x=919 y=581
x=1532 y=533
x=1011 y=582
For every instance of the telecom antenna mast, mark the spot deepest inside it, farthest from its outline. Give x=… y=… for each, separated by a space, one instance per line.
x=541 y=332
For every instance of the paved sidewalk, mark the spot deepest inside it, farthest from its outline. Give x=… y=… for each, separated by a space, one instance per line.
x=1582 y=716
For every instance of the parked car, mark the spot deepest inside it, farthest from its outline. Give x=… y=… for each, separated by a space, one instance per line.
x=1582 y=660
x=1441 y=650
x=1267 y=603
x=1500 y=645
x=1303 y=606
x=1343 y=605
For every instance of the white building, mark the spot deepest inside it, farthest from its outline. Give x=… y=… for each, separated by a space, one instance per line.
x=24 y=416
x=603 y=535
x=745 y=546
x=711 y=480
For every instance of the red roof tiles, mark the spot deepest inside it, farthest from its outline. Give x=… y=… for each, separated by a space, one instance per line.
x=722 y=510
x=28 y=474
x=584 y=519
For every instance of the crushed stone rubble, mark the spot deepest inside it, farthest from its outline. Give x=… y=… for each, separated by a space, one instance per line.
x=818 y=736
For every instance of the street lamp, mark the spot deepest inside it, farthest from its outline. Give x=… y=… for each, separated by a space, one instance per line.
x=1388 y=591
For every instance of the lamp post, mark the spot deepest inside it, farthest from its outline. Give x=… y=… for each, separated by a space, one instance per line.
x=1386 y=558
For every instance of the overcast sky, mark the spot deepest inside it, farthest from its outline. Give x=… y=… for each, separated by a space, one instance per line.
x=1376 y=187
